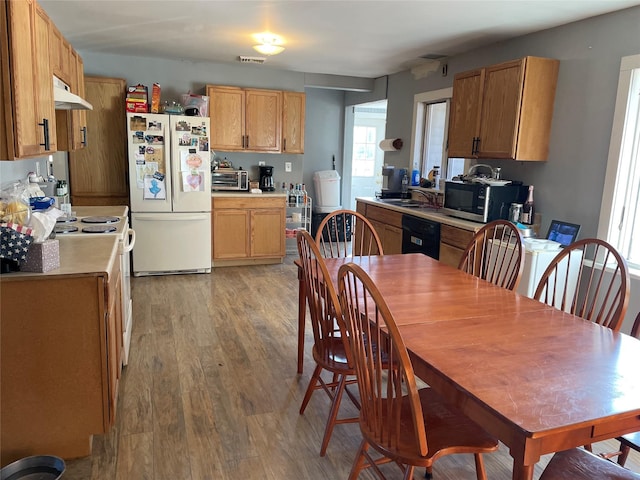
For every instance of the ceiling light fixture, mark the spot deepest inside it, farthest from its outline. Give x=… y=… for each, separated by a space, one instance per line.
x=269 y=44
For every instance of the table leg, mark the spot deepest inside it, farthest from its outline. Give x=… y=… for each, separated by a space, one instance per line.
x=522 y=472
x=302 y=312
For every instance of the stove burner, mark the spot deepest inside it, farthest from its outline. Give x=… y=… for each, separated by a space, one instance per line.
x=65 y=219
x=100 y=219
x=99 y=229
x=65 y=229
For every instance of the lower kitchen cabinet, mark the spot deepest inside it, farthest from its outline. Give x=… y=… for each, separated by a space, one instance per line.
x=60 y=352
x=388 y=225
x=453 y=242
x=247 y=230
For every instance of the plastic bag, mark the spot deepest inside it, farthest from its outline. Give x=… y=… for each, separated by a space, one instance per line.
x=14 y=204
x=193 y=101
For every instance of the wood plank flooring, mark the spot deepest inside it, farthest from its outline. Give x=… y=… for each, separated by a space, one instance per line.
x=211 y=390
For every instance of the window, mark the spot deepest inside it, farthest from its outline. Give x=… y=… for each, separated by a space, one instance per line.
x=430 y=124
x=620 y=212
x=364 y=151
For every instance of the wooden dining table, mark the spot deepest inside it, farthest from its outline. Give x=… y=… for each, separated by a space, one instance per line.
x=539 y=379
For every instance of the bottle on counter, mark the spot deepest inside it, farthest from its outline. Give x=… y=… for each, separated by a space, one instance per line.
x=304 y=194
x=291 y=195
x=528 y=209
x=405 y=183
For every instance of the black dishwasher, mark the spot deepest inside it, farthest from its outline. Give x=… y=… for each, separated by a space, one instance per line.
x=420 y=235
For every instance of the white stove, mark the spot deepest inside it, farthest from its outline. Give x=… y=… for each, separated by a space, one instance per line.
x=91 y=225
x=92 y=221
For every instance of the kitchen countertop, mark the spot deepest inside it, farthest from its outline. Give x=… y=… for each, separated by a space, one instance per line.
x=428 y=213
x=247 y=194
x=78 y=256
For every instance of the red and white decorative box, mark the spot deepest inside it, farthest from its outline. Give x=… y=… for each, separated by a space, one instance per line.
x=42 y=257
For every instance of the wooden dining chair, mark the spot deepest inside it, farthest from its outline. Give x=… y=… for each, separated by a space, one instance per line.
x=579 y=464
x=593 y=285
x=346 y=233
x=495 y=254
x=403 y=424
x=631 y=441
x=328 y=344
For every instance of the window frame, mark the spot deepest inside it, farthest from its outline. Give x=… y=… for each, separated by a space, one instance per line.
x=420 y=100
x=611 y=211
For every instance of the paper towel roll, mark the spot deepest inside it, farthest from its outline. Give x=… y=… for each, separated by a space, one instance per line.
x=390 y=144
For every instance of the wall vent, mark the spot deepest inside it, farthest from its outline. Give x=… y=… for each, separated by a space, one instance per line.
x=258 y=60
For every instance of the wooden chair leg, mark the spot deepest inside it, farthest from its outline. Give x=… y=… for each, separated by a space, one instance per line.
x=333 y=414
x=312 y=385
x=428 y=473
x=358 y=462
x=408 y=473
x=624 y=453
x=480 y=472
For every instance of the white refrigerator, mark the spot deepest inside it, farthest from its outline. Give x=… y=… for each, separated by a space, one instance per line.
x=170 y=193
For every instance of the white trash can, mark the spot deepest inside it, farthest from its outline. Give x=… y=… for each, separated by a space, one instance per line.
x=327 y=187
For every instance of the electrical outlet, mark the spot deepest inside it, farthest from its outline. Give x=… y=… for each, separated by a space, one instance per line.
x=287 y=166
x=261 y=163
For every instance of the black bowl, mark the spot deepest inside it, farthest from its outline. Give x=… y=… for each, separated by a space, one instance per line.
x=39 y=467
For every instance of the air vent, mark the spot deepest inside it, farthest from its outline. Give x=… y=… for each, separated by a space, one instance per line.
x=258 y=60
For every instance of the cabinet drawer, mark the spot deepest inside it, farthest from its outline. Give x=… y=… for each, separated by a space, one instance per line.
x=384 y=215
x=450 y=255
x=454 y=236
x=246 y=202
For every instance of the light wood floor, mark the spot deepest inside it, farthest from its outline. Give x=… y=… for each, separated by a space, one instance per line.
x=211 y=390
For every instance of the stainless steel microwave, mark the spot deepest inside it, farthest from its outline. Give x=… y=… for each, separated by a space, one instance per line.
x=479 y=202
x=229 y=179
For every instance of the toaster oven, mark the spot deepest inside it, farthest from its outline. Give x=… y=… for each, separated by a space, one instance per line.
x=229 y=179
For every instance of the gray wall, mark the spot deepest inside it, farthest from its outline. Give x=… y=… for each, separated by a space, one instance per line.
x=569 y=185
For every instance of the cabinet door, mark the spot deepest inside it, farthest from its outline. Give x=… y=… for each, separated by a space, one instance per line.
x=499 y=120
x=45 y=107
x=60 y=54
x=114 y=347
x=98 y=173
x=392 y=240
x=293 y=111
x=78 y=117
x=29 y=80
x=263 y=120
x=464 y=119
x=227 y=113
x=267 y=232
x=230 y=234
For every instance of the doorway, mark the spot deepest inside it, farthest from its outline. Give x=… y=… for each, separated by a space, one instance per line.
x=365 y=127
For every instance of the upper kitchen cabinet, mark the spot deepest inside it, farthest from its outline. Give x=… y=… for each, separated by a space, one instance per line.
x=72 y=124
x=60 y=54
x=227 y=110
x=504 y=110
x=245 y=120
x=27 y=88
x=263 y=118
x=256 y=120
x=293 y=104
x=98 y=173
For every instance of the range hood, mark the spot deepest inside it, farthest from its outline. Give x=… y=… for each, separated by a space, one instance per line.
x=65 y=100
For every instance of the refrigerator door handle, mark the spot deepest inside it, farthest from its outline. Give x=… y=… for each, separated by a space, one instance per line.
x=170 y=218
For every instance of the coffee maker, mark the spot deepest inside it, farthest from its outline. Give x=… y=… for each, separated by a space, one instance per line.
x=266 y=178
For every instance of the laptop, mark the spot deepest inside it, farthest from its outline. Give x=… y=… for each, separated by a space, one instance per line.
x=564 y=233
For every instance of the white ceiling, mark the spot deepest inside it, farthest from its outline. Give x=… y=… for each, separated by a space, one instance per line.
x=358 y=38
